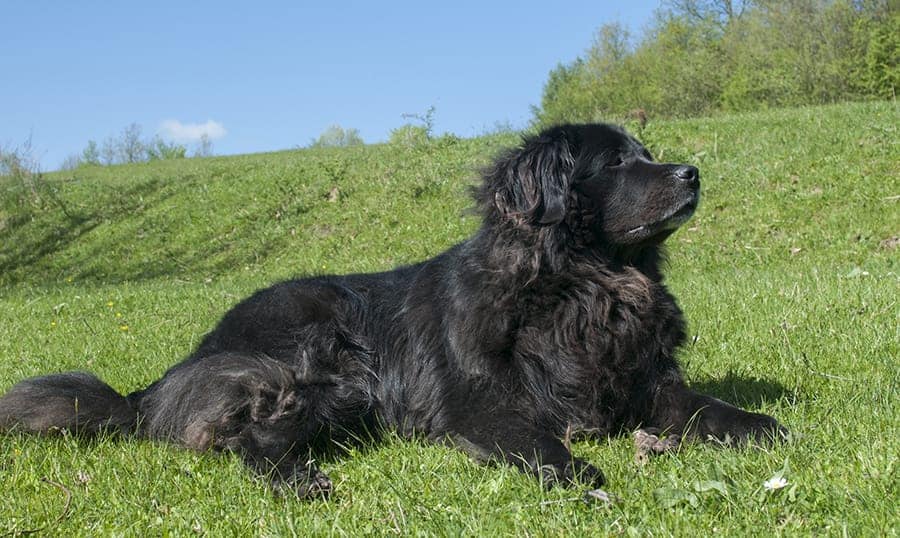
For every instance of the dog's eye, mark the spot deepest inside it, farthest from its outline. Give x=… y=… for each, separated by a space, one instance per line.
x=614 y=162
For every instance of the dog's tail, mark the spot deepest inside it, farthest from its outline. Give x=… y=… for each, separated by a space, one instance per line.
x=75 y=401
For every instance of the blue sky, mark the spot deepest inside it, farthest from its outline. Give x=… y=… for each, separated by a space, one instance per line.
x=264 y=76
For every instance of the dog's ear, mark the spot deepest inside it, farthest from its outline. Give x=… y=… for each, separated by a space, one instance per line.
x=531 y=184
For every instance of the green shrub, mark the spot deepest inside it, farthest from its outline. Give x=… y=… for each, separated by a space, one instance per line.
x=336 y=136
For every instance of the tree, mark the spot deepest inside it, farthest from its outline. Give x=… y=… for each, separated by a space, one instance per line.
x=204 y=147
x=704 y=56
x=71 y=162
x=109 y=152
x=721 y=12
x=131 y=148
x=878 y=71
x=91 y=154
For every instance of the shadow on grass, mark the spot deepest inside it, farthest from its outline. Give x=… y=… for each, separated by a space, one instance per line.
x=742 y=391
x=24 y=246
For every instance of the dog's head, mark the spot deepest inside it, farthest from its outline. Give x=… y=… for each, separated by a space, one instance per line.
x=594 y=179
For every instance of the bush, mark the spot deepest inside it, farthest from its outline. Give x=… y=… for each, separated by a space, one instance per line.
x=159 y=149
x=337 y=137
x=415 y=133
x=23 y=189
x=409 y=135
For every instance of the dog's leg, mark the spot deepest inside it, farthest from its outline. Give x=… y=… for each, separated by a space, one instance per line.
x=273 y=435
x=506 y=436
x=678 y=409
x=248 y=404
x=290 y=473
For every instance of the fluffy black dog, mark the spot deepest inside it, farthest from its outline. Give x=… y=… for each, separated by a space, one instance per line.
x=553 y=316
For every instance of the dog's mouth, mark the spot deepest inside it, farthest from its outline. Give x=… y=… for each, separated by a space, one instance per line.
x=667 y=224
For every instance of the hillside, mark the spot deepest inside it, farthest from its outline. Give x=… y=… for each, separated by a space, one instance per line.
x=770 y=180
x=201 y=218
x=788 y=274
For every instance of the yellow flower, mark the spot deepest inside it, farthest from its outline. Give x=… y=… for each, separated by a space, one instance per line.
x=123 y=327
x=118 y=314
x=109 y=303
x=53 y=324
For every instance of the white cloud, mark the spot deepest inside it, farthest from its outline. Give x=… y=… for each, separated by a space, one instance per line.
x=185 y=133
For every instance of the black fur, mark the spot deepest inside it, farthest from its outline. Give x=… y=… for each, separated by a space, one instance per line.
x=552 y=317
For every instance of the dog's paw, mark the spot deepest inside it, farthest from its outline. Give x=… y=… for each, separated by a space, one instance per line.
x=309 y=483
x=648 y=443
x=755 y=428
x=600 y=497
x=572 y=473
x=765 y=429
x=317 y=486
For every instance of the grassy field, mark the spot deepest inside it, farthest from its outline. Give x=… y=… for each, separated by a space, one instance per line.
x=788 y=273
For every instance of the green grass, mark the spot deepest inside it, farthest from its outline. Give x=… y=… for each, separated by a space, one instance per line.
x=787 y=274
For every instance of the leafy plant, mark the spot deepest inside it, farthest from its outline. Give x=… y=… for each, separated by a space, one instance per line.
x=336 y=136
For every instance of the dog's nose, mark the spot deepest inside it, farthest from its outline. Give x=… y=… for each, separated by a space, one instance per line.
x=687 y=174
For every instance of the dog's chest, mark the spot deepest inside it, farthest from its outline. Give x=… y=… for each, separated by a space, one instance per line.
x=594 y=343
x=596 y=315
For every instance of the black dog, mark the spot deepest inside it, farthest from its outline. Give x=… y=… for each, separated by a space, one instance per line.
x=553 y=316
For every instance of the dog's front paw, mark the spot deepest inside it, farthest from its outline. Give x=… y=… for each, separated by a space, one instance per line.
x=572 y=473
x=306 y=483
x=752 y=428
x=765 y=429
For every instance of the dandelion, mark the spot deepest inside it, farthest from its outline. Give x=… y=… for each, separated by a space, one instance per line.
x=118 y=314
x=110 y=304
x=123 y=327
x=776 y=482
x=53 y=324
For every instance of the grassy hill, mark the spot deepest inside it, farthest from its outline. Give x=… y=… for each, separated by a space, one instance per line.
x=788 y=274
